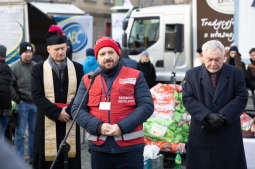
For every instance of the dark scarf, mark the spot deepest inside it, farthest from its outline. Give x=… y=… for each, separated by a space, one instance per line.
x=58 y=67
x=252 y=62
x=145 y=63
x=2 y=59
x=232 y=61
x=146 y=68
x=214 y=78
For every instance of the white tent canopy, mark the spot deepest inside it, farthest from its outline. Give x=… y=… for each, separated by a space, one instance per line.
x=57 y=8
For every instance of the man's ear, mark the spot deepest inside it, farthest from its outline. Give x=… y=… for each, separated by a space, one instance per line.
x=48 y=49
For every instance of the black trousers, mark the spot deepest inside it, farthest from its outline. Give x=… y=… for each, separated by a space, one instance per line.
x=128 y=160
x=253 y=98
x=5 y=99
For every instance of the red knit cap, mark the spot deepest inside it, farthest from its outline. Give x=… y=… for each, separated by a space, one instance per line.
x=106 y=42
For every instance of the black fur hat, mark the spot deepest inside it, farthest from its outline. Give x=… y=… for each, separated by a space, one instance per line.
x=55 y=36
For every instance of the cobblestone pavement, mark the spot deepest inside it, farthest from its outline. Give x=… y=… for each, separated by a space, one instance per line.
x=85 y=156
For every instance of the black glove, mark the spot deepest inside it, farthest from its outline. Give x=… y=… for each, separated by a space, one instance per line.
x=223 y=118
x=214 y=121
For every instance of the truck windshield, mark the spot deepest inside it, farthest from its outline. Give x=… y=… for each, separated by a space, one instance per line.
x=144 y=33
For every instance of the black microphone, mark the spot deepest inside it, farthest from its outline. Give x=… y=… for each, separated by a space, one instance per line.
x=95 y=73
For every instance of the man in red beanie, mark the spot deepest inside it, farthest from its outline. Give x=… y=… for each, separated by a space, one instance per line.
x=119 y=102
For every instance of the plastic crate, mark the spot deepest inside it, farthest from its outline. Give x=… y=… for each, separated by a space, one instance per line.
x=154 y=163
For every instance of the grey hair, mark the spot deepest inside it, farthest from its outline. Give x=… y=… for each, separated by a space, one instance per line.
x=213 y=45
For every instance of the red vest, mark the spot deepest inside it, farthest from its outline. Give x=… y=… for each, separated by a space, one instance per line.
x=122 y=104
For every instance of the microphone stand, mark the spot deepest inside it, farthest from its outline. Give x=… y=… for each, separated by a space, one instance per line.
x=64 y=146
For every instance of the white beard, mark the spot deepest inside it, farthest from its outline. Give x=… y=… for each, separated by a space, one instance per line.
x=213 y=70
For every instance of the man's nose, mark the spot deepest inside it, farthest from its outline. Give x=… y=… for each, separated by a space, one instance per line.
x=61 y=51
x=107 y=55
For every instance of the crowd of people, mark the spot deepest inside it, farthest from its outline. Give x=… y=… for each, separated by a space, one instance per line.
x=48 y=94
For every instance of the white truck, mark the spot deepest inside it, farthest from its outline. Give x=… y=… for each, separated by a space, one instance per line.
x=163 y=31
x=168 y=34
x=29 y=21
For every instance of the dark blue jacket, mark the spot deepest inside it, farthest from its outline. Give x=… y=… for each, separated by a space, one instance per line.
x=126 y=61
x=143 y=111
x=222 y=148
x=5 y=83
x=149 y=72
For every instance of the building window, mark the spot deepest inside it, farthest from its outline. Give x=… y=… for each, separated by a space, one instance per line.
x=108 y=29
x=109 y=2
x=90 y=0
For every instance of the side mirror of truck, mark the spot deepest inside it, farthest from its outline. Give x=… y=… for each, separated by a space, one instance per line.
x=125 y=24
x=174 y=37
x=124 y=39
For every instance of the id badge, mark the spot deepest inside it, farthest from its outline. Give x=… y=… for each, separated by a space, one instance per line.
x=105 y=106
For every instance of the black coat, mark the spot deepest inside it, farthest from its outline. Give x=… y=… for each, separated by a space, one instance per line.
x=46 y=108
x=250 y=76
x=222 y=148
x=5 y=83
x=149 y=73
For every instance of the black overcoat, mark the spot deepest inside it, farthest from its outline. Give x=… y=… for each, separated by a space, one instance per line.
x=46 y=108
x=222 y=148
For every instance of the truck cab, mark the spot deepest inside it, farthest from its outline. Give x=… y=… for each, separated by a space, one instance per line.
x=165 y=32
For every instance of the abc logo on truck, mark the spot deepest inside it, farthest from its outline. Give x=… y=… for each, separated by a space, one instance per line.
x=77 y=35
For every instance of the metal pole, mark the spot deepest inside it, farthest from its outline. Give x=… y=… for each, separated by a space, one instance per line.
x=64 y=147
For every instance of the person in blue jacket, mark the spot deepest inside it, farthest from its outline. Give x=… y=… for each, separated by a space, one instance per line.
x=90 y=62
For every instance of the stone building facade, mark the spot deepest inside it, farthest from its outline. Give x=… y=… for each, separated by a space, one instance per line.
x=101 y=11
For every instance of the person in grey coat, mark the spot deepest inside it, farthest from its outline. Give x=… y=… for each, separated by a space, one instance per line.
x=215 y=96
x=22 y=95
